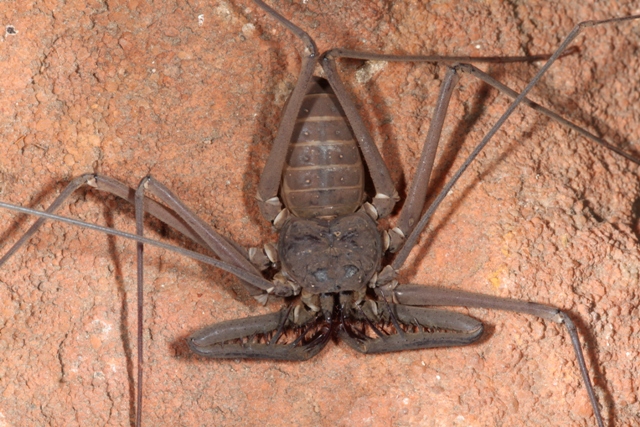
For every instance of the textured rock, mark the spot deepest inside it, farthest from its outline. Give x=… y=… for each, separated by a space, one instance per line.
x=191 y=91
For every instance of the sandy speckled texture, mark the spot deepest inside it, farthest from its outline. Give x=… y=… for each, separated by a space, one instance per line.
x=191 y=91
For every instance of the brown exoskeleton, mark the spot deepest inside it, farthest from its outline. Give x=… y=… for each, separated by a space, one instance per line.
x=323 y=309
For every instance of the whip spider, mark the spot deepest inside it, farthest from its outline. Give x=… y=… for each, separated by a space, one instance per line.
x=193 y=94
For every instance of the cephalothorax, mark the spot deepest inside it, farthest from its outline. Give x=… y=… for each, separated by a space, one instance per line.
x=334 y=266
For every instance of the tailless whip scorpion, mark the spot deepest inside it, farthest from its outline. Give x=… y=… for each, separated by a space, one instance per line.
x=345 y=271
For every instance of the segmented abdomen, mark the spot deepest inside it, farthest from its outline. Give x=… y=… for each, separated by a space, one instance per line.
x=323 y=175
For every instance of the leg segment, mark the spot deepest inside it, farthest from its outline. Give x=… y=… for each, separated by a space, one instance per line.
x=177 y=215
x=270 y=287
x=114 y=187
x=386 y=194
x=268 y=201
x=433 y=296
x=139 y=209
x=221 y=246
x=419 y=227
x=417 y=195
x=470 y=69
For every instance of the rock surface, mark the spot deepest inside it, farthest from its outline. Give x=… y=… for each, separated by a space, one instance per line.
x=191 y=92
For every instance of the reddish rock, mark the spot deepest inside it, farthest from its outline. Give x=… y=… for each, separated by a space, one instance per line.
x=191 y=92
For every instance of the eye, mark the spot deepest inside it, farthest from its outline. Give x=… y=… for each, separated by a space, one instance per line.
x=350 y=271
x=321 y=275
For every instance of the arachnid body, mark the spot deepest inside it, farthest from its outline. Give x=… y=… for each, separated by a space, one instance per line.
x=532 y=207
